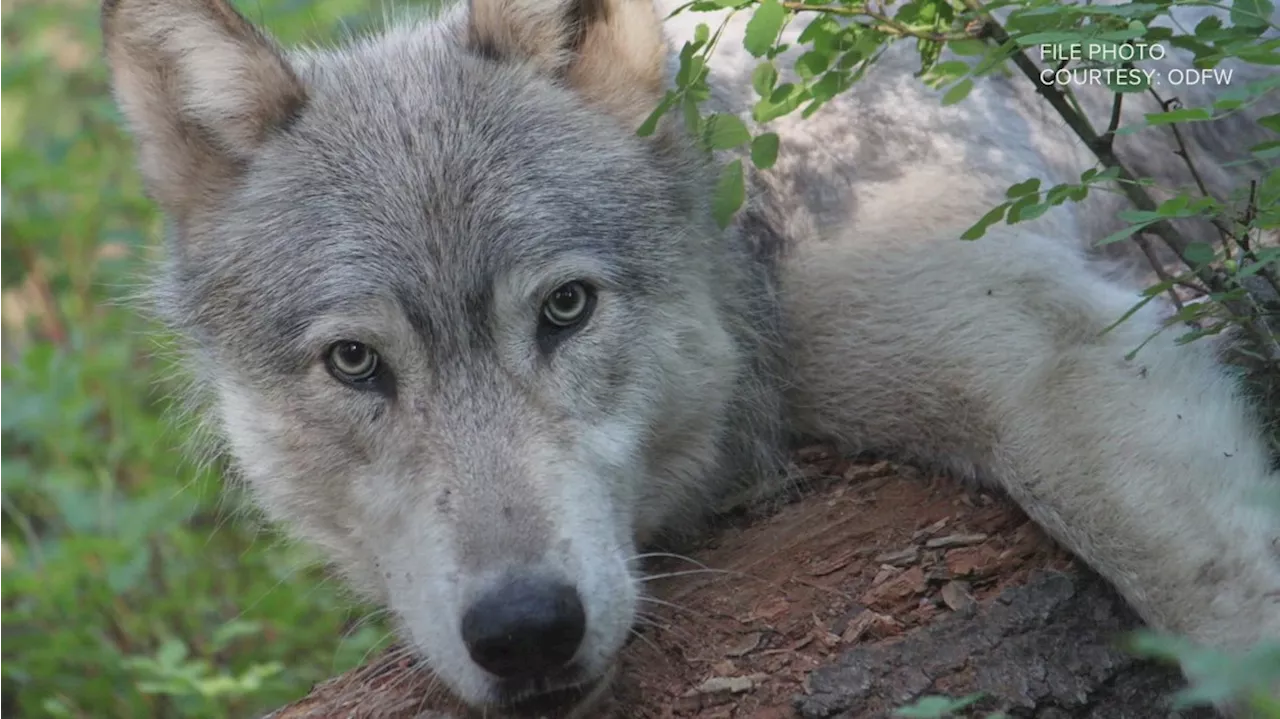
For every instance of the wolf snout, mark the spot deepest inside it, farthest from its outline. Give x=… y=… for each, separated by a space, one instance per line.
x=524 y=627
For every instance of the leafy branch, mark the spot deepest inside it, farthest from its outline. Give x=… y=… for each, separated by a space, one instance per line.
x=849 y=37
x=1245 y=309
x=880 y=21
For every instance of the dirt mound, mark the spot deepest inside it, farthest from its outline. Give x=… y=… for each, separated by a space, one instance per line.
x=879 y=585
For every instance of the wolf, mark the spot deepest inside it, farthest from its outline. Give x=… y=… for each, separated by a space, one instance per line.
x=462 y=328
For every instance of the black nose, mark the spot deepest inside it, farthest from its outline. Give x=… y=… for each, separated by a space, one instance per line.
x=524 y=627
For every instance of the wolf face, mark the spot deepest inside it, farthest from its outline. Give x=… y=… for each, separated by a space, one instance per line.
x=453 y=315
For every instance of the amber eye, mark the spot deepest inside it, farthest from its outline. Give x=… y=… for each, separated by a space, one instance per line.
x=352 y=361
x=567 y=305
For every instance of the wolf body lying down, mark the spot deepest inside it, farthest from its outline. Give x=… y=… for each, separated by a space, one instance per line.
x=466 y=331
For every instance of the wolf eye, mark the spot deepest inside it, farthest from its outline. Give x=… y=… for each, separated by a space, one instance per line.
x=567 y=305
x=563 y=312
x=352 y=361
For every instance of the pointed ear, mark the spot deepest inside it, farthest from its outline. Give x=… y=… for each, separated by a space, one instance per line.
x=200 y=88
x=612 y=52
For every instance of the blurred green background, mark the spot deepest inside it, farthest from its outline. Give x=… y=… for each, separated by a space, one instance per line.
x=133 y=586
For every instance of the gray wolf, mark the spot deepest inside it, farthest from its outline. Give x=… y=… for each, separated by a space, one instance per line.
x=463 y=329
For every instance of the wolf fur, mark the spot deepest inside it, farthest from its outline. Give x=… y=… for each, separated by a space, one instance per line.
x=423 y=189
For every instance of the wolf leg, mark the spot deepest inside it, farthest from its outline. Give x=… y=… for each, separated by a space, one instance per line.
x=989 y=358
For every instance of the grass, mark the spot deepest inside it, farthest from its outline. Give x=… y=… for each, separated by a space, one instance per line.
x=131 y=586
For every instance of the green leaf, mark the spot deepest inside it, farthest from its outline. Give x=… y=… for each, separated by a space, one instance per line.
x=1266 y=257
x=763 y=28
x=1251 y=13
x=929 y=51
x=224 y=635
x=1266 y=150
x=692 y=118
x=1032 y=211
x=1199 y=253
x=850 y=59
x=123 y=577
x=764 y=150
x=980 y=228
x=764 y=79
x=1059 y=194
x=701 y=34
x=1133 y=31
x=1208 y=28
x=785 y=98
x=13 y=120
x=729 y=194
x=1092 y=175
x=651 y=122
x=1138 y=216
x=1174 y=205
x=171 y=652
x=725 y=132
x=819 y=32
x=944 y=73
x=1271 y=122
x=827 y=87
x=812 y=63
x=1126 y=233
x=1146 y=299
x=1014 y=215
x=691 y=67
x=968 y=48
x=958 y=92
x=1023 y=188
x=950 y=68
x=1188 y=114
x=1259 y=56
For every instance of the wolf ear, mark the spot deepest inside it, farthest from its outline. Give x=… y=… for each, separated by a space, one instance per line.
x=200 y=88
x=611 y=52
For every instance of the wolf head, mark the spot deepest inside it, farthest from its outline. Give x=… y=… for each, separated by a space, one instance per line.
x=458 y=324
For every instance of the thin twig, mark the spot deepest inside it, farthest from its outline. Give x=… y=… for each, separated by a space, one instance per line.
x=880 y=22
x=1109 y=137
x=1145 y=245
x=1250 y=212
x=1171 y=104
x=1226 y=232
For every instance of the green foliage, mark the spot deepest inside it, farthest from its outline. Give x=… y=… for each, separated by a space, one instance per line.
x=132 y=586
x=847 y=37
x=762 y=30
x=1218 y=677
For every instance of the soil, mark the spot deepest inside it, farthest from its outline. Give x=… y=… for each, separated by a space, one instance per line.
x=877 y=586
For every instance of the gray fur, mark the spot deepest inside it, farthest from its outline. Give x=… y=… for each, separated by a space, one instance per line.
x=422 y=191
